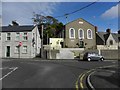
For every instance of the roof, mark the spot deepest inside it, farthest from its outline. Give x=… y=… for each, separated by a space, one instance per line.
x=101 y=35
x=17 y=28
x=80 y=19
x=115 y=36
x=104 y=36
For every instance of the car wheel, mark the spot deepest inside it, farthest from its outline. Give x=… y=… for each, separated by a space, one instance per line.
x=102 y=59
x=89 y=59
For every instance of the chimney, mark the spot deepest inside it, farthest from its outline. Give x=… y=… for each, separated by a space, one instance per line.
x=108 y=31
x=119 y=32
x=96 y=29
x=14 y=23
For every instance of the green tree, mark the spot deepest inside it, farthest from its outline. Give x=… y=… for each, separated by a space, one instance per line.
x=52 y=28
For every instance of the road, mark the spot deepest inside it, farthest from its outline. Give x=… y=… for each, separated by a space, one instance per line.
x=48 y=73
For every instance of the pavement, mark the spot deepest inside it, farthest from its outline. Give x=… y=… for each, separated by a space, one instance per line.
x=22 y=73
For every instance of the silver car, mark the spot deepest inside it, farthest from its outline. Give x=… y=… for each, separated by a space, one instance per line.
x=92 y=56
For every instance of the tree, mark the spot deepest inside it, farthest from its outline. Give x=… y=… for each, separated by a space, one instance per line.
x=52 y=27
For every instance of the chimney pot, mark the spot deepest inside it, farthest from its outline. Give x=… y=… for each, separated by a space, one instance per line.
x=96 y=29
x=108 y=31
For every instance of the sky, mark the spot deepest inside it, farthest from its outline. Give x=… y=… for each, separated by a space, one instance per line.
x=101 y=14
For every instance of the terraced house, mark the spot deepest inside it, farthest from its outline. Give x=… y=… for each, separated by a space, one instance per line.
x=20 y=41
x=80 y=34
x=107 y=40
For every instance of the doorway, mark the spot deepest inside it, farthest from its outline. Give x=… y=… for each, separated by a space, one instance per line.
x=8 y=51
x=81 y=44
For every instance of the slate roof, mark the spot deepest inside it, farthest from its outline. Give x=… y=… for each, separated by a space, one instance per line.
x=115 y=36
x=17 y=28
x=101 y=35
x=104 y=36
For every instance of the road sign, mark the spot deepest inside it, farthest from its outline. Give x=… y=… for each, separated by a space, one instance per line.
x=20 y=43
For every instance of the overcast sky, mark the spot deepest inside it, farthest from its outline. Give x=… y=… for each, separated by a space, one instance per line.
x=101 y=14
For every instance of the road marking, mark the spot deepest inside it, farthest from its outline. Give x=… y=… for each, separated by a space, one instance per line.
x=106 y=66
x=88 y=80
x=110 y=71
x=76 y=85
x=9 y=73
x=81 y=76
x=81 y=79
x=4 y=68
x=7 y=68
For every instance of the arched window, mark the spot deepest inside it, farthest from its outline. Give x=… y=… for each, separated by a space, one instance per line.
x=111 y=42
x=89 y=34
x=71 y=33
x=81 y=34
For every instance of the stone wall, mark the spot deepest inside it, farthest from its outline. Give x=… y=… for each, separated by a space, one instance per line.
x=110 y=54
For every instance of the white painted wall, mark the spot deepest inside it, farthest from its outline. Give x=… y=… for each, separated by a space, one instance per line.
x=107 y=47
x=55 y=43
x=36 y=49
x=111 y=38
x=12 y=43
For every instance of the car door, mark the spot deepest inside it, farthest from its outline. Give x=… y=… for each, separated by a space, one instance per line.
x=96 y=57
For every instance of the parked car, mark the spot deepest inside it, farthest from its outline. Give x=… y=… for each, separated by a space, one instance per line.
x=92 y=56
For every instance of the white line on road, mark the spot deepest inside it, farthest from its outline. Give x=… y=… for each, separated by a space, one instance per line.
x=9 y=73
x=88 y=80
x=111 y=71
x=7 y=68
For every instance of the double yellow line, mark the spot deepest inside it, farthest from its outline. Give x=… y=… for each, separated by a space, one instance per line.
x=82 y=75
x=81 y=78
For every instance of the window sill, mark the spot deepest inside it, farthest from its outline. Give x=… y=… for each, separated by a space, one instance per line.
x=25 y=41
x=17 y=41
x=81 y=38
x=89 y=38
x=7 y=40
x=16 y=53
x=72 y=37
x=24 y=53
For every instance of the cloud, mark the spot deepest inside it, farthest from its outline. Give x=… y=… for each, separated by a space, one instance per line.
x=111 y=13
x=22 y=12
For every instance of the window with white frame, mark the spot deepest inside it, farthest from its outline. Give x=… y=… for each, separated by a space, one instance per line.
x=81 y=34
x=17 y=36
x=25 y=37
x=16 y=49
x=8 y=37
x=24 y=49
x=89 y=34
x=71 y=33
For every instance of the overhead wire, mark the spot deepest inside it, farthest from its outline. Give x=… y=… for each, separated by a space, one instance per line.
x=66 y=14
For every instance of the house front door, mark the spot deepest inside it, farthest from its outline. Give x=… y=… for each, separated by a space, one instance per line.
x=81 y=44
x=8 y=51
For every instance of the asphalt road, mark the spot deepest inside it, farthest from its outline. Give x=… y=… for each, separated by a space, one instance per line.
x=48 y=74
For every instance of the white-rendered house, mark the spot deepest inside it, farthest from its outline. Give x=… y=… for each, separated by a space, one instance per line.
x=20 y=41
